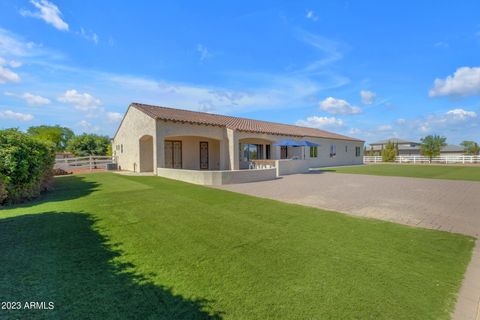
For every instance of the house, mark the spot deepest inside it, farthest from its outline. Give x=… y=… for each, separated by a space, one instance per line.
x=412 y=148
x=208 y=148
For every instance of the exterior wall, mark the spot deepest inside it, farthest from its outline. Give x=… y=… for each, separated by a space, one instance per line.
x=191 y=135
x=146 y=154
x=341 y=158
x=126 y=143
x=191 y=152
x=217 y=177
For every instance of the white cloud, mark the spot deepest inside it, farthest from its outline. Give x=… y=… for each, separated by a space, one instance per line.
x=34 y=100
x=338 y=106
x=211 y=99
x=464 y=82
x=330 y=49
x=87 y=127
x=81 y=101
x=461 y=114
x=320 y=122
x=7 y=75
x=368 y=97
x=9 y=114
x=385 y=127
x=48 y=12
x=311 y=15
x=203 y=52
x=90 y=36
x=114 y=116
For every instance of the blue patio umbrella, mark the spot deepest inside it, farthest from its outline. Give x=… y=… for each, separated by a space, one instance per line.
x=294 y=143
x=287 y=143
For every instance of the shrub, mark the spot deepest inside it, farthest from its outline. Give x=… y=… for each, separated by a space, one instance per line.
x=389 y=153
x=25 y=166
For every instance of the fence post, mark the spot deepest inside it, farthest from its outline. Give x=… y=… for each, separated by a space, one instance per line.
x=414 y=158
x=90 y=162
x=463 y=159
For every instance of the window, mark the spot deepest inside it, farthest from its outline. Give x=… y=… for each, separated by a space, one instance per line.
x=252 y=151
x=313 y=152
x=357 y=151
x=121 y=148
x=267 y=151
x=346 y=148
x=333 y=150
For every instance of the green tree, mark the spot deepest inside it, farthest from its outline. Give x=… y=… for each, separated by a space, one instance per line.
x=470 y=147
x=58 y=136
x=89 y=145
x=432 y=145
x=389 y=152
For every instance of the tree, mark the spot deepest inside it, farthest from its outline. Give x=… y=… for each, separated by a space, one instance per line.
x=432 y=145
x=89 y=145
x=58 y=136
x=470 y=147
x=389 y=153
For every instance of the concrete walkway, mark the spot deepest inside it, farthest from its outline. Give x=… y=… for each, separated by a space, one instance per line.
x=430 y=203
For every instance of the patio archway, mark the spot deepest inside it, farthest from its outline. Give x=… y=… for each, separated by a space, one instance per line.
x=146 y=154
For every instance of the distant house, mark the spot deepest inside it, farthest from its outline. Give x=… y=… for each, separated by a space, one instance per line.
x=412 y=148
x=198 y=146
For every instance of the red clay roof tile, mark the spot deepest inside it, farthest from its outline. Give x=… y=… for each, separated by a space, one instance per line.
x=236 y=123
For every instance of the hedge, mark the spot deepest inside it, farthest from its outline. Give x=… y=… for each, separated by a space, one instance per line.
x=26 y=166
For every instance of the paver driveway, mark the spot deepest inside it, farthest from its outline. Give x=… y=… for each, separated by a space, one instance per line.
x=449 y=205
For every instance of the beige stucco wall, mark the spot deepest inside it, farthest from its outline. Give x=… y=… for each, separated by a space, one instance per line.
x=135 y=125
x=217 y=177
x=191 y=152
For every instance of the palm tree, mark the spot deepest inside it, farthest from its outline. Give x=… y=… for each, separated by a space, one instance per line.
x=432 y=145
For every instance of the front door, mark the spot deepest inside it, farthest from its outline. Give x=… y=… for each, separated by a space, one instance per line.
x=203 y=155
x=173 y=154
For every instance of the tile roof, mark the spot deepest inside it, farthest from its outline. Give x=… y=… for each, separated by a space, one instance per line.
x=394 y=140
x=236 y=123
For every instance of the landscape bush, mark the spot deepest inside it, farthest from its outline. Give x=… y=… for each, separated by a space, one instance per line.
x=26 y=166
x=389 y=153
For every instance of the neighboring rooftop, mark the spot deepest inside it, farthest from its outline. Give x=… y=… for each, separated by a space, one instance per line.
x=236 y=123
x=394 y=140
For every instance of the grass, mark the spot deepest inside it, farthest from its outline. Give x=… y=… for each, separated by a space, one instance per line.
x=104 y=246
x=416 y=171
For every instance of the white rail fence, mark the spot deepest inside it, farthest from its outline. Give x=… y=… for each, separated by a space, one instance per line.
x=464 y=159
x=90 y=162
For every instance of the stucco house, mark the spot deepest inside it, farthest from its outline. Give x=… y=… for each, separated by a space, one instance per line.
x=208 y=148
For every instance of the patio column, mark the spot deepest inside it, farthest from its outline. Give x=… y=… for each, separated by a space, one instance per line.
x=158 y=148
x=232 y=152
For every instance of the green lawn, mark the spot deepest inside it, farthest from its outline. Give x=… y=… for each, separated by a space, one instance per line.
x=104 y=246
x=417 y=171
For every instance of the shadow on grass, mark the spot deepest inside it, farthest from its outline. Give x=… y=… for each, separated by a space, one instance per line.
x=59 y=257
x=64 y=188
x=319 y=171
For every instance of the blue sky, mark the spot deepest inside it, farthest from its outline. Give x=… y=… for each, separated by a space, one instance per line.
x=368 y=69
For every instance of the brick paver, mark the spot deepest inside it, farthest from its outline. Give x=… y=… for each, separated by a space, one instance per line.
x=447 y=205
